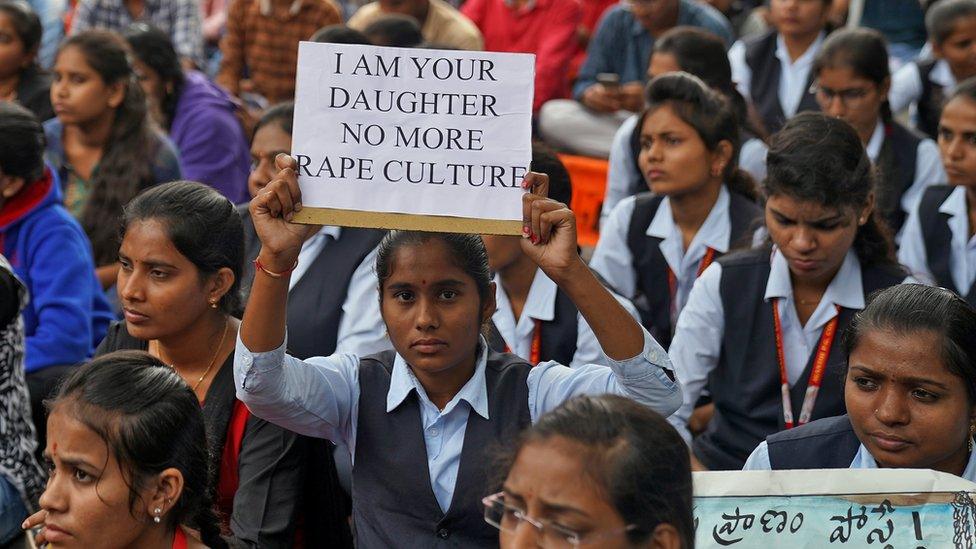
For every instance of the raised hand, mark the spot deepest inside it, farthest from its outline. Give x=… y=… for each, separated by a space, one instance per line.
x=548 y=229
x=272 y=211
x=33 y=521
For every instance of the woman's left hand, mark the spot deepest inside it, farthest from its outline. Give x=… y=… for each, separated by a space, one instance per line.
x=548 y=229
x=33 y=521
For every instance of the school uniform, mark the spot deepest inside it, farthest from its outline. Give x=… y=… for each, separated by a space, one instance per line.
x=828 y=443
x=727 y=337
x=550 y=327
x=641 y=252
x=419 y=472
x=777 y=86
x=624 y=177
x=908 y=162
x=936 y=246
x=333 y=305
x=923 y=85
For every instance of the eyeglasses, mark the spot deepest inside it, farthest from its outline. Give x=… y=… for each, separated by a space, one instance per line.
x=507 y=518
x=849 y=97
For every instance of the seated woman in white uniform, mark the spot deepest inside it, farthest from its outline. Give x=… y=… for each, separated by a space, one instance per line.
x=910 y=392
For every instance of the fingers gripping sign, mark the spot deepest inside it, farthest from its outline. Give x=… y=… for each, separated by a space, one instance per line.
x=272 y=211
x=548 y=228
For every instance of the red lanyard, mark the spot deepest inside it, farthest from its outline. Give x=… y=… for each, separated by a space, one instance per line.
x=816 y=376
x=535 y=352
x=673 y=281
x=179 y=540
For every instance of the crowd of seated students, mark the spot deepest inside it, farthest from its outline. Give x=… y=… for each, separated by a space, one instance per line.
x=790 y=192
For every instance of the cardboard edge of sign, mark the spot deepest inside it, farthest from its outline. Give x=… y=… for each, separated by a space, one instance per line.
x=410 y=222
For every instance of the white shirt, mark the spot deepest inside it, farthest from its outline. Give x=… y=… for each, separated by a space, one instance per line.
x=622 y=170
x=759 y=461
x=793 y=75
x=540 y=304
x=613 y=260
x=906 y=85
x=962 y=251
x=361 y=328
x=928 y=170
x=697 y=343
x=319 y=397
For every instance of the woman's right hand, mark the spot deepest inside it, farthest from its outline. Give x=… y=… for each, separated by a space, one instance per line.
x=272 y=211
x=33 y=521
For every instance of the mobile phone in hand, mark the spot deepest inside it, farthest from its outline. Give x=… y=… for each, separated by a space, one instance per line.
x=609 y=80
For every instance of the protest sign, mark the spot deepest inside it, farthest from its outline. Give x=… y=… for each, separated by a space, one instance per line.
x=412 y=138
x=884 y=508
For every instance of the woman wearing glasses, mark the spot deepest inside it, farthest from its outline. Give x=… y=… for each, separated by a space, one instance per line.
x=852 y=81
x=638 y=492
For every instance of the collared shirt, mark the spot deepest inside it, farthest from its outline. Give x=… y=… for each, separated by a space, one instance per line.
x=267 y=45
x=615 y=262
x=622 y=170
x=444 y=26
x=361 y=328
x=793 y=75
x=928 y=170
x=759 y=461
x=540 y=304
x=623 y=46
x=180 y=19
x=906 y=84
x=320 y=397
x=697 y=344
x=962 y=252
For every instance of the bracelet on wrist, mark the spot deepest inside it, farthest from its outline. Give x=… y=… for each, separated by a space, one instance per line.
x=258 y=266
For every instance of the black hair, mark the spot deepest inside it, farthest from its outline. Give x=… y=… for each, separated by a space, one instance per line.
x=26 y=24
x=703 y=54
x=21 y=143
x=155 y=48
x=125 y=166
x=545 y=160
x=634 y=456
x=941 y=18
x=150 y=421
x=202 y=224
x=907 y=308
x=282 y=115
x=709 y=113
x=395 y=30
x=820 y=159
x=467 y=251
x=966 y=89
x=339 y=34
x=863 y=51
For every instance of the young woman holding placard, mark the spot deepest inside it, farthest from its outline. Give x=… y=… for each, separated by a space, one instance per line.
x=417 y=419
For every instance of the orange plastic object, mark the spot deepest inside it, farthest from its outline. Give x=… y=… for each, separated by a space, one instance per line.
x=589 y=177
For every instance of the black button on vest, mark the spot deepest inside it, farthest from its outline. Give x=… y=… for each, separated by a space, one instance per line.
x=764 y=86
x=393 y=501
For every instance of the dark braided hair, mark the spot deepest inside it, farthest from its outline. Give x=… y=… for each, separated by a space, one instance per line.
x=151 y=421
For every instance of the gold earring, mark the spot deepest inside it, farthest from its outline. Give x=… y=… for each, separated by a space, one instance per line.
x=213 y=304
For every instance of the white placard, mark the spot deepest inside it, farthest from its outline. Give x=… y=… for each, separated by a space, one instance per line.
x=413 y=131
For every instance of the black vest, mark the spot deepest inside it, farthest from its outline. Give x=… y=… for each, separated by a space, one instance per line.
x=749 y=406
x=828 y=443
x=558 y=338
x=764 y=87
x=897 y=165
x=315 y=303
x=938 y=239
x=393 y=502
x=929 y=104
x=653 y=299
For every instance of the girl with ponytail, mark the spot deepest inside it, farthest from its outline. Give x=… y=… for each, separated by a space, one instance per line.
x=102 y=143
x=760 y=325
x=127 y=459
x=851 y=82
x=655 y=244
